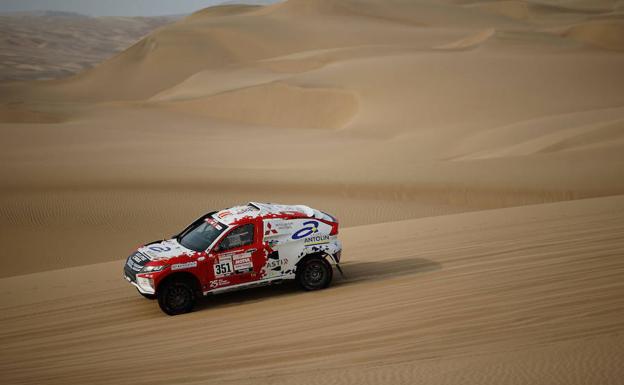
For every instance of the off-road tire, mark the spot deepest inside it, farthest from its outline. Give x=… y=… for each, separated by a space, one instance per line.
x=314 y=273
x=176 y=297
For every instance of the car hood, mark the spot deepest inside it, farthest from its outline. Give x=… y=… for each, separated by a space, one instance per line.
x=164 y=250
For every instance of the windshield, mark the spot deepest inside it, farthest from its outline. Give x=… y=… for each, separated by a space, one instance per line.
x=201 y=234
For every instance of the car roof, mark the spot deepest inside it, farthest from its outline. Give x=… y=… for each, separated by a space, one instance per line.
x=237 y=214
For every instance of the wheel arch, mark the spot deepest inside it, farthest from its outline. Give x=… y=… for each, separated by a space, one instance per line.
x=182 y=276
x=316 y=254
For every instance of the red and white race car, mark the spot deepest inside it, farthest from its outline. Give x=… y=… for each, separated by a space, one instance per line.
x=240 y=247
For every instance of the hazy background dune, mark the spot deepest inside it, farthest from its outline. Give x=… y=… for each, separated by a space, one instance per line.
x=376 y=111
x=48 y=44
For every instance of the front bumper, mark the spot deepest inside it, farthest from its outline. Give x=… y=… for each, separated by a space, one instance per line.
x=132 y=273
x=143 y=284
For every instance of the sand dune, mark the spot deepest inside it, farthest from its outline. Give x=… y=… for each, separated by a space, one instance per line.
x=577 y=131
x=515 y=295
x=20 y=113
x=471 y=41
x=276 y=105
x=406 y=119
x=209 y=42
x=211 y=82
x=537 y=12
x=607 y=34
x=223 y=10
x=416 y=14
x=313 y=102
x=49 y=45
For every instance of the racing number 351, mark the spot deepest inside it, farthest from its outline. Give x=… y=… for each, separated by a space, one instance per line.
x=223 y=268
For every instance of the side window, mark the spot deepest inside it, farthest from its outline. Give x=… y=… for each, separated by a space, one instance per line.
x=240 y=236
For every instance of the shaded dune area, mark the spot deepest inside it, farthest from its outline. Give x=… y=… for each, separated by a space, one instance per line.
x=472 y=150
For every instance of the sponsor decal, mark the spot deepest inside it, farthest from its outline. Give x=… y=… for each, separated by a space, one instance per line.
x=292 y=212
x=270 y=230
x=273 y=228
x=159 y=249
x=139 y=258
x=218 y=282
x=277 y=263
x=272 y=242
x=316 y=240
x=180 y=266
x=284 y=225
x=278 y=226
x=273 y=255
x=133 y=265
x=136 y=261
x=310 y=228
x=246 y=210
x=242 y=260
x=214 y=223
x=243 y=263
x=224 y=214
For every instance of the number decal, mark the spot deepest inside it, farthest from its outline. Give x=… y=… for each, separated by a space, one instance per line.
x=311 y=227
x=223 y=268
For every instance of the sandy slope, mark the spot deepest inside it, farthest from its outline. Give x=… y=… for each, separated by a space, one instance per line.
x=376 y=111
x=373 y=110
x=521 y=295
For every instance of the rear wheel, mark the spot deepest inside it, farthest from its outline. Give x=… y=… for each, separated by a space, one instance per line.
x=176 y=297
x=314 y=273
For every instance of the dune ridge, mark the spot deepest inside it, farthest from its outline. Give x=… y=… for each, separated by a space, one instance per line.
x=223 y=10
x=608 y=34
x=276 y=105
x=568 y=132
x=471 y=41
x=533 y=11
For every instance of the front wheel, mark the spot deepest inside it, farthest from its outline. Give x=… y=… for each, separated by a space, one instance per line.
x=176 y=297
x=314 y=274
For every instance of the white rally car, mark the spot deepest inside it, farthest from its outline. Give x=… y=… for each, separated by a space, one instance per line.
x=236 y=248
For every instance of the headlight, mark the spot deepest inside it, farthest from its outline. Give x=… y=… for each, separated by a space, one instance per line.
x=153 y=269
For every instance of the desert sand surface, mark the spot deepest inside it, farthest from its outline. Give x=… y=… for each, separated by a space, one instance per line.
x=530 y=294
x=473 y=151
x=50 y=45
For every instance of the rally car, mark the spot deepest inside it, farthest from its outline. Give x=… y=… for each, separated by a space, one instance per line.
x=236 y=248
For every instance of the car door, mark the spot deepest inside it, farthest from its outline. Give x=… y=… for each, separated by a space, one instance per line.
x=237 y=257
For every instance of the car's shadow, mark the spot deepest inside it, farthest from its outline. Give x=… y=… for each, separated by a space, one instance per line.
x=354 y=273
